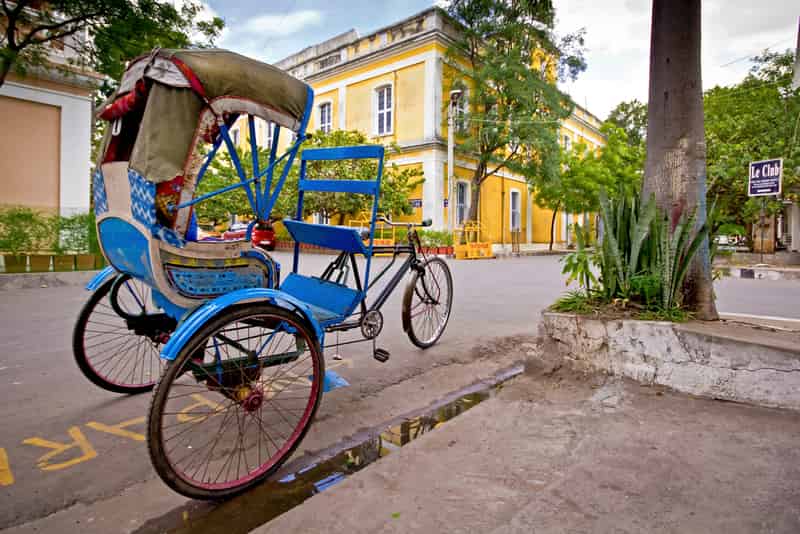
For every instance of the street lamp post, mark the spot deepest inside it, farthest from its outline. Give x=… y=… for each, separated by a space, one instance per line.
x=455 y=96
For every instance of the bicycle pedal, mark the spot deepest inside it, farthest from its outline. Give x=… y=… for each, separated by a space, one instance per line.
x=381 y=355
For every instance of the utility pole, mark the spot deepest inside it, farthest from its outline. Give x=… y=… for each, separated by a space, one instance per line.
x=452 y=109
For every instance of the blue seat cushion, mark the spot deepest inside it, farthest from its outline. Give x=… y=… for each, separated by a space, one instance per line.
x=329 y=302
x=323 y=235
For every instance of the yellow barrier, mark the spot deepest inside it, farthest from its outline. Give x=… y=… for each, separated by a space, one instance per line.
x=467 y=246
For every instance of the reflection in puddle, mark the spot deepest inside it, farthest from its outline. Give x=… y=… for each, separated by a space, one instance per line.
x=271 y=499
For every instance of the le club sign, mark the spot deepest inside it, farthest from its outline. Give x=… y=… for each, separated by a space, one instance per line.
x=765 y=178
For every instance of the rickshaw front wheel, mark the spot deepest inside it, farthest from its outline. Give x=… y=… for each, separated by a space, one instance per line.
x=427 y=302
x=236 y=402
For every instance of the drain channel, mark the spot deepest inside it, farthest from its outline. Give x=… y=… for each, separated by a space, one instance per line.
x=299 y=482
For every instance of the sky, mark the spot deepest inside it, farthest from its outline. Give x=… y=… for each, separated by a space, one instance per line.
x=617 y=36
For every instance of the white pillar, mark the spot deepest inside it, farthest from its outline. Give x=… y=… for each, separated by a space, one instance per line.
x=432 y=103
x=343 y=107
x=529 y=226
x=795 y=227
x=433 y=189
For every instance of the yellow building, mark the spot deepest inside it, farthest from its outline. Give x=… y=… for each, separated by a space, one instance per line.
x=390 y=85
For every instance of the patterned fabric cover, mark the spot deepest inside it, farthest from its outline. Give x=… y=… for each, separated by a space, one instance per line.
x=143 y=199
x=99 y=193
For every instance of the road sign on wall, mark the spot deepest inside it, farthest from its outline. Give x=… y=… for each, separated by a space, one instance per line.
x=765 y=178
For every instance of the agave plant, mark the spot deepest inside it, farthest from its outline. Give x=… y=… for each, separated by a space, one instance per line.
x=642 y=257
x=675 y=251
x=626 y=225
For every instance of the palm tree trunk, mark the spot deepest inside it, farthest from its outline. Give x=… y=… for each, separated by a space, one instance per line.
x=675 y=170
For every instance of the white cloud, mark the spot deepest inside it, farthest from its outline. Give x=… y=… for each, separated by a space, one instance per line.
x=618 y=43
x=282 y=24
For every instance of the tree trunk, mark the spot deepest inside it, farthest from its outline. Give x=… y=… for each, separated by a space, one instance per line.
x=675 y=170
x=475 y=192
x=6 y=62
x=553 y=227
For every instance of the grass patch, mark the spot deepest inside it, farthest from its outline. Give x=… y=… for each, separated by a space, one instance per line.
x=574 y=302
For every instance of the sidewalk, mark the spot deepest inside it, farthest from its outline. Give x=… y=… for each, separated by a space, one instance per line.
x=581 y=454
x=760 y=272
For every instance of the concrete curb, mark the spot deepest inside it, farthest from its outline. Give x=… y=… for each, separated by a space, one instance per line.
x=730 y=361
x=760 y=273
x=42 y=280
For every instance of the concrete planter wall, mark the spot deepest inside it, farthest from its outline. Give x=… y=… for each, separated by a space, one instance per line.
x=718 y=360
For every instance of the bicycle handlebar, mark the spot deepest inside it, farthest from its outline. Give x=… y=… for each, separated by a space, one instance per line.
x=386 y=220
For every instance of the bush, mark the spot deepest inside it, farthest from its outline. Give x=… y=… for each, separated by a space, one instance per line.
x=24 y=230
x=75 y=234
x=435 y=238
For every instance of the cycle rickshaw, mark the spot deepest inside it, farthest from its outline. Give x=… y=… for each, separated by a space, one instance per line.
x=243 y=348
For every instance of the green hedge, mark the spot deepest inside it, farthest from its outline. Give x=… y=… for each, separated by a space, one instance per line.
x=25 y=231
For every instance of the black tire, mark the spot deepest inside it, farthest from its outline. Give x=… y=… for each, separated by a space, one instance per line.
x=134 y=363
x=429 y=293
x=243 y=379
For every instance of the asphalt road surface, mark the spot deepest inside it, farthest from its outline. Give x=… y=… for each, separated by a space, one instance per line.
x=65 y=441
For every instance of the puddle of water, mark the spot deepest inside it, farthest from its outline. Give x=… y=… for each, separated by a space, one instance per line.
x=274 y=497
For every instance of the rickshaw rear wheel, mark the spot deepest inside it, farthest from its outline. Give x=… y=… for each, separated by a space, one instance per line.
x=427 y=302
x=108 y=353
x=236 y=402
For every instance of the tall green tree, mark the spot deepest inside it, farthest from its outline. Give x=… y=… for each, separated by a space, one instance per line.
x=631 y=116
x=675 y=168
x=118 y=30
x=507 y=55
x=616 y=168
x=756 y=119
x=577 y=187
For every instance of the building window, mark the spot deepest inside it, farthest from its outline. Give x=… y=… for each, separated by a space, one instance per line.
x=515 y=211
x=326 y=62
x=264 y=133
x=325 y=119
x=567 y=143
x=383 y=96
x=235 y=136
x=269 y=133
x=462 y=199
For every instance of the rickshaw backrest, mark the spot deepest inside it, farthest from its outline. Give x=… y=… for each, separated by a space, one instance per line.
x=317 y=292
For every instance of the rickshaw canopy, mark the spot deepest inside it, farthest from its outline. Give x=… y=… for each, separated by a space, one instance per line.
x=188 y=91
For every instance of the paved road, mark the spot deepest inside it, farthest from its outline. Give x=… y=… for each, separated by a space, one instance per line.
x=59 y=444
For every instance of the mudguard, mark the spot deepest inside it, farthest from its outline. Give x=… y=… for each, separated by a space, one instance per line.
x=99 y=278
x=190 y=325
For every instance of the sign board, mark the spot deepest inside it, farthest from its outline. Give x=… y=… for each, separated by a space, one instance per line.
x=765 y=178
x=445 y=203
x=415 y=202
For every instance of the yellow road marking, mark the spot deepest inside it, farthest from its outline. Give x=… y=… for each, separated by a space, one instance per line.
x=6 y=477
x=78 y=441
x=200 y=401
x=120 y=429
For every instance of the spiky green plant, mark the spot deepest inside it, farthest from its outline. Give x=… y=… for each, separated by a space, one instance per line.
x=626 y=225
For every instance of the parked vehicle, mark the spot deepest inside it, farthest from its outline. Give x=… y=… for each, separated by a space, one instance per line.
x=242 y=349
x=263 y=234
